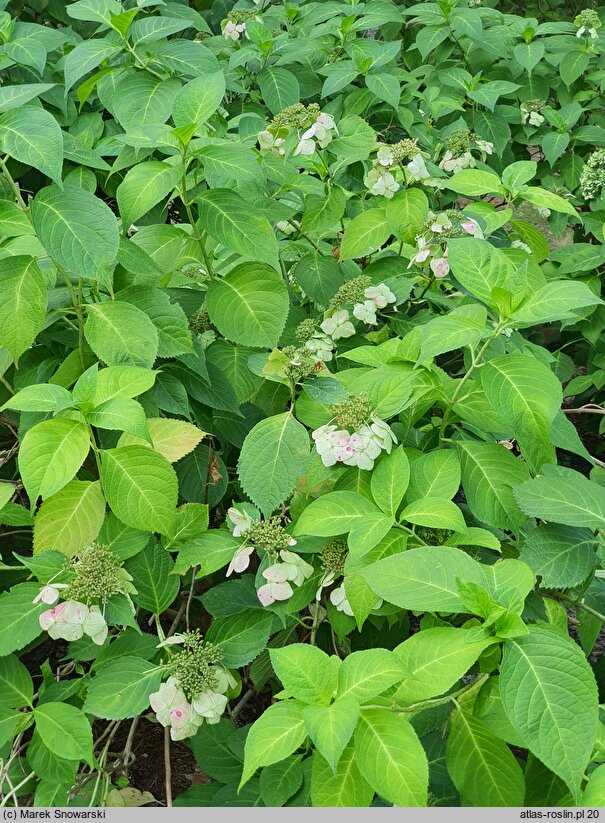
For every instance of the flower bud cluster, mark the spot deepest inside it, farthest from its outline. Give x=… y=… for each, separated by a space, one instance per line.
x=432 y=244
x=314 y=128
x=588 y=22
x=459 y=146
x=269 y=536
x=391 y=162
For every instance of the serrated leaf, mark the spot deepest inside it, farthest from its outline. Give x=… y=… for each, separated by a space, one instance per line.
x=77 y=229
x=50 y=455
x=366 y=674
x=331 y=727
x=241 y=637
x=477 y=265
x=278 y=732
x=140 y=486
x=173 y=439
x=23 y=300
x=143 y=187
x=64 y=730
x=121 y=335
x=249 y=305
x=571 y=499
x=151 y=576
x=31 y=135
x=550 y=696
x=347 y=787
x=562 y=555
x=279 y=88
x=121 y=688
x=198 y=100
x=71 y=519
x=227 y=217
x=16 y=685
x=365 y=234
x=19 y=617
x=390 y=479
x=272 y=459
x=306 y=672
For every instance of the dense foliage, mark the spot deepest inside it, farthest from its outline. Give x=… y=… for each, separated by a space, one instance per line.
x=301 y=367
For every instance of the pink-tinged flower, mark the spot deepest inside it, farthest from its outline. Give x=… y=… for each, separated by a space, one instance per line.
x=366 y=448
x=50 y=593
x=184 y=722
x=241 y=521
x=440 y=267
x=271 y=592
x=65 y=621
x=424 y=251
x=210 y=705
x=51 y=616
x=471 y=227
x=168 y=697
x=240 y=560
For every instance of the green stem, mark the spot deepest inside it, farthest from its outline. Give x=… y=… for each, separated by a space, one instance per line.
x=426 y=704
x=199 y=237
x=578 y=604
x=476 y=362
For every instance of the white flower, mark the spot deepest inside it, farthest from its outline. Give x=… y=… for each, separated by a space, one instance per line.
x=338 y=325
x=367 y=448
x=65 y=620
x=297 y=569
x=381 y=295
x=417 y=168
x=286 y=227
x=485 y=146
x=323 y=128
x=332 y=445
x=338 y=598
x=542 y=211
x=440 y=267
x=580 y=31
x=441 y=222
x=326 y=580
x=535 y=118
x=232 y=31
x=168 y=697
x=278 y=587
x=94 y=626
x=519 y=244
x=470 y=226
x=382 y=433
x=456 y=164
x=241 y=521
x=240 y=560
x=424 y=251
x=210 y=705
x=384 y=155
x=268 y=142
x=366 y=312
x=381 y=183
x=50 y=593
x=306 y=147
x=224 y=679
x=322 y=345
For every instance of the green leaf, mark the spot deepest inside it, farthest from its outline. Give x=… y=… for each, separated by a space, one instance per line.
x=391 y=757
x=281 y=780
x=78 y=229
x=122 y=381
x=120 y=414
x=593 y=795
x=241 y=637
x=406 y=213
x=553 y=145
x=140 y=486
x=555 y=301
x=562 y=555
x=121 y=688
x=346 y=787
x=365 y=234
x=519 y=173
x=321 y=213
x=43 y=397
x=433 y=661
x=19 y=617
x=435 y=512
x=435 y=474
x=188 y=521
x=249 y=305
x=385 y=86
x=424 y=579
x=14 y=97
x=278 y=732
x=71 y=519
x=85 y=57
x=198 y=100
x=32 y=136
x=23 y=300
x=483 y=768
x=548 y=200
x=570 y=499
x=226 y=216
x=65 y=730
x=573 y=64
x=477 y=265
x=528 y=55
x=489 y=473
x=16 y=685
x=474 y=183
x=550 y=696
x=121 y=335
x=50 y=455
x=151 y=572
x=331 y=727
x=464 y=326
x=141 y=100
x=210 y=551
x=279 y=88
x=366 y=674
x=333 y=514
x=390 y=479
x=306 y=672
x=273 y=457
x=143 y=187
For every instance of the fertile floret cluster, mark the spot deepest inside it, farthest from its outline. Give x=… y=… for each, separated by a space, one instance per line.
x=98 y=576
x=588 y=22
